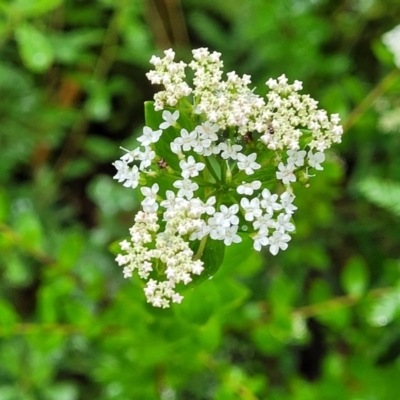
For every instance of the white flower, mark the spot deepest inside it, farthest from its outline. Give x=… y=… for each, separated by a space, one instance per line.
x=186 y=188
x=296 y=157
x=202 y=146
x=208 y=130
x=269 y=202
x=264 y=222
x=260 y=239
x=190 y=168
x=229 y=150
x=209 y=205
x=123 y=170
x=248 y=188
x=176 y=298
x=150 y=194
x=130 y=155
x=231 y=236
x=283 y=223
x=171 y=202
x=314 y=160
x=285 y=173
x=149 y=203
x=251 y=208
x=229 y=215
x=297 y=85
x=248 y=163
x=186 y=140
x=278 y=241
x=132 y=178
x=216 y=229
x=287 y=202
x=169 y=119
x=146 y=157
x=149 y=136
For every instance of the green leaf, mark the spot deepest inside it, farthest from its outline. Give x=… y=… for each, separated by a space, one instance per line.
x=4 y=204
x=10 y=392
x=34 y=48
x=70 y=250
x=382 y=193
x=265 y=340
x=232 y=294
x=35 y=8
x=354 y=277
x=17 y=273
x=385 y=308
x=28 y=226
x=264 y=174
x=241 y=258
x=100 y=148
x=98 y=105
x=319 y=292
x=51 y=297
x=281 y=293
x=8 y=317
x=74 y=46
x=199 y=303
x=213 y=256
x=209 y=335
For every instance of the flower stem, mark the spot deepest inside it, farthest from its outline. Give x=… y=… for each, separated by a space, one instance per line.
x=374 y=94
x=200 y=250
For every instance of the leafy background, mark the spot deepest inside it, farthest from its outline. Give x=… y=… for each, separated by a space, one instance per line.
x=319 y=321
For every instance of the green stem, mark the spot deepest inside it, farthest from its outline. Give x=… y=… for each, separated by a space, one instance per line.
x=201 y=248
x=374 y=94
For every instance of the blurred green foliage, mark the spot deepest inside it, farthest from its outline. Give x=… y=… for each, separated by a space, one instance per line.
x=319 y=321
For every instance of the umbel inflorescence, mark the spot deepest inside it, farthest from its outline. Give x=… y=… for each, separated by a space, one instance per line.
x=215 y=162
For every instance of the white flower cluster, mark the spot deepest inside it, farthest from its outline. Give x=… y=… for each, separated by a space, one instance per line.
x=231 y=103
x=392 y=41
x=216 y=168
x=151 y=249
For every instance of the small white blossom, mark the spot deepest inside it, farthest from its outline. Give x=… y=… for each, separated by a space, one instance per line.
x=315 y=160
x=283 y=223
x=230 y=235
x=296 y=157
x=187 y=140
x=150 y=195
x=229 y=216
x=123 y=170
x=146 y=157
x=208 y=130
x=248 y=188
x=229 y=150
x=149 y=136
x=186 y=188
x=251 y=208
x=190 y=168
x=169 y=119
x=132 y=178
x=248 y=163
x=285 y=173
x=269 y=202
x=287 y=202
x=260 y=239
x=278 y=241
